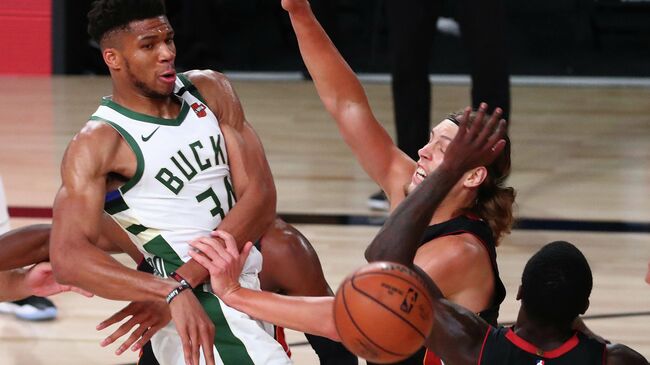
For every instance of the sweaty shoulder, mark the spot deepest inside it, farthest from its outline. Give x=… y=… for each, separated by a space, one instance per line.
x=218 y=94
x=618 y=354
x=91 y=153
x=95 y=138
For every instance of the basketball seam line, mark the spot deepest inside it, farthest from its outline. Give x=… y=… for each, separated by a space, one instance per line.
x=345 y=303
x=386 y=307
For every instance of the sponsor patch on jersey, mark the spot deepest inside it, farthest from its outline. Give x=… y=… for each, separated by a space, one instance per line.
x=199 y=109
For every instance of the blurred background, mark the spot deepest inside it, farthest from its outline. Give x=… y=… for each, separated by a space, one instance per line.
x=545 y=37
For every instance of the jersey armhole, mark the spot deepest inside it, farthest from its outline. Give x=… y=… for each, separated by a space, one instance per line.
x=136 y=151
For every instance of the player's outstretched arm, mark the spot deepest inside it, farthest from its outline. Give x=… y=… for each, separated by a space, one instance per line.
x=31 y=244
x=37 y=280
x=345 y=99
x=305 y=314
x=24 y=246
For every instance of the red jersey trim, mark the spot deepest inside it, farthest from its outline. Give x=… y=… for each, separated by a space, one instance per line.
x=569 y=345
x=430 y=358
x=480 y=356
x=282 y=340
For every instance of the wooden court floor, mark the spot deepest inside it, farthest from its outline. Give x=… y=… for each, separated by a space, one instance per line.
x=580 y=154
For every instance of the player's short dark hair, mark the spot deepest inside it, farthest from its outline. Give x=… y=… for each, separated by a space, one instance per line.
x=556 y=283
x=108 y=15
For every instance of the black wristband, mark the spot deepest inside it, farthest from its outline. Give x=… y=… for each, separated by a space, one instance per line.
x=174 y=293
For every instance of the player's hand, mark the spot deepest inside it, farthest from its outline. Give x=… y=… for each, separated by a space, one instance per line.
x=194 y=327
x=148 y=316
x=39 y=280
x=293 y=5
x=223 y=261
x=478 y=145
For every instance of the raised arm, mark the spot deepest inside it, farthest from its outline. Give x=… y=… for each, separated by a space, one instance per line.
x=454 y=327
x=249 y=169
x=344 y=98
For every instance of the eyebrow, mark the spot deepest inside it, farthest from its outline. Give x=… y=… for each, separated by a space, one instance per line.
x=442 y=136
x=156 y=35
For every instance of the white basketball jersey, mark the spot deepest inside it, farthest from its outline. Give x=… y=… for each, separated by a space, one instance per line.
x=181 y=189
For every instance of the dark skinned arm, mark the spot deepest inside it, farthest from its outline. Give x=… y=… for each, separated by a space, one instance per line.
x=24 y=246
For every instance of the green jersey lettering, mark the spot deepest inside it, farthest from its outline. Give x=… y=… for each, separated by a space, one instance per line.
x=171 y=182
x=202 y=166
x=218 y=152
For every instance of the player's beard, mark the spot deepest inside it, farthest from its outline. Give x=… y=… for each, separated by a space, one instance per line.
x=142 y=86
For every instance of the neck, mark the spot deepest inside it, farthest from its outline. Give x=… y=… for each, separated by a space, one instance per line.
x=541 y=334
x=450 y=207
x=163 y=107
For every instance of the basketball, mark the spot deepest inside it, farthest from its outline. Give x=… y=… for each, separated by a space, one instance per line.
x=383 y=313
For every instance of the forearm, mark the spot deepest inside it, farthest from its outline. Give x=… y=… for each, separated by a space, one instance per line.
x=24 y=246
x=89 y=268
x=336 y=83
x=12 y=285
x=399 y=238
x=312 y=315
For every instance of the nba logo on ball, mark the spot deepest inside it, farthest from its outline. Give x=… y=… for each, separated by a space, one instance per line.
x=383 y=312
x=409 y=300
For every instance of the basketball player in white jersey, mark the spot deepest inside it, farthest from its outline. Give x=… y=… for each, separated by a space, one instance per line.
x=180 y=152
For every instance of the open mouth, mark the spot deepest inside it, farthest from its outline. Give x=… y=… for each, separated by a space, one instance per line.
x=421 y=173
x=169 y=76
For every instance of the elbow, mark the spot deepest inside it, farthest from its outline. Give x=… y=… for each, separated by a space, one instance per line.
x=269 y=206
x=62 y=269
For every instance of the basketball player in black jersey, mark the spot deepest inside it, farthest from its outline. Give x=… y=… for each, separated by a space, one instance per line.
x=555 y=288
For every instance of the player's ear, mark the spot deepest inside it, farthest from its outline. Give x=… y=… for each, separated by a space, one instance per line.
x=112 y=58
x=475 y=177
x=518 y=293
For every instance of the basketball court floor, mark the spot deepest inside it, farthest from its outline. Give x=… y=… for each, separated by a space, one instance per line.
x=581 y=168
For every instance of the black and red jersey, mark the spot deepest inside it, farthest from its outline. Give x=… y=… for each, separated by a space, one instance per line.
x=502 y=346
x=481 y=230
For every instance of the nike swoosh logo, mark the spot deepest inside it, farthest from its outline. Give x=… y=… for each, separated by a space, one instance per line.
x=145 y=139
